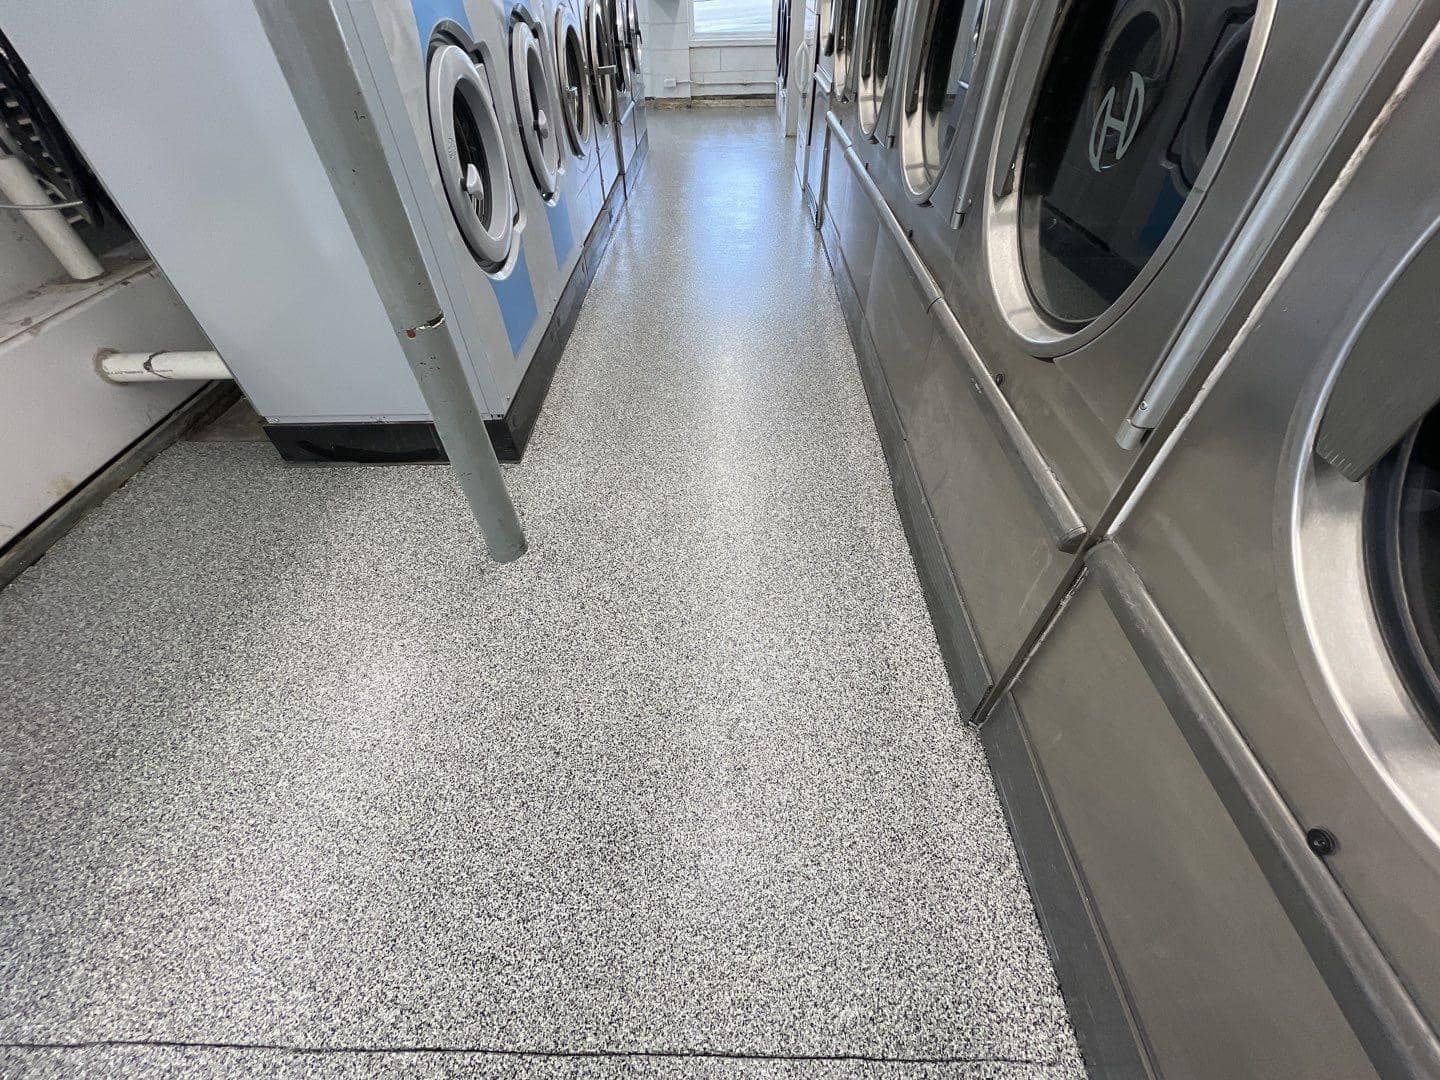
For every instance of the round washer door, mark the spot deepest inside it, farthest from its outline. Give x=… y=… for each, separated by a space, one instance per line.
x=877 y=40
x=940 y=65
x=782 y=43
x=598 y=40
x=1132 y=102
x=618 y=18
x=535 y=106
x=633 y=37
x=575 y=103
x=470 y=149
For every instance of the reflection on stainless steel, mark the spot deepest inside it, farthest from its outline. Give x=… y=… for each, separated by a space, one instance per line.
x=873 y=59
x=575 y=97
x=1066 y=527
x=941 y=57
x=1239 y=754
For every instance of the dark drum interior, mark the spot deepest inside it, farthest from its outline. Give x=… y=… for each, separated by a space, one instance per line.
x=1129 y=109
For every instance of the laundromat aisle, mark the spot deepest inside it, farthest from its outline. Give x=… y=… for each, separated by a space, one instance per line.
x=294 y=783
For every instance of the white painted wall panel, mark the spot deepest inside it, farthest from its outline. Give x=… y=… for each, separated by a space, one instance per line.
x=59 y=421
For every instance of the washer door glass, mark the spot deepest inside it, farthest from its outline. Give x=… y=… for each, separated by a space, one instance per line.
x=616 y=17
x=574 y=95
x=598 y=40
x=877 y=33
x=782 y=42
x=634 y=39
x=1130 y=103
x=470 y=150
x=535 y=106
x=946 y=37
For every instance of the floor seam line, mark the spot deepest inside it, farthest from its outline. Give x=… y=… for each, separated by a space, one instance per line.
x=722 y=1055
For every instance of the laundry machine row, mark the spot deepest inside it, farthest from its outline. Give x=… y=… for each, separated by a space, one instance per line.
x=489 y=121
x=1102 y=264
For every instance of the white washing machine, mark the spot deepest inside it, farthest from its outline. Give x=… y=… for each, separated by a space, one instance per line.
x=226 y=189
x=581 y=183
x=795 y=28
x=474 y=89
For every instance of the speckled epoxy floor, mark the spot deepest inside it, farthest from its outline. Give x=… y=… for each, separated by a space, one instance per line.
x=292 y=777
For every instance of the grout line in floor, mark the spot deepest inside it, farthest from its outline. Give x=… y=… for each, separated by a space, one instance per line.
x=494 y=1051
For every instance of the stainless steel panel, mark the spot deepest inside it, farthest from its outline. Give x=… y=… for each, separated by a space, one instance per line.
x=1387 y=384
x=1253 y=546
x=1067 y=530
x=1378 y=1006
x=1002 y=553
x=1220 y=983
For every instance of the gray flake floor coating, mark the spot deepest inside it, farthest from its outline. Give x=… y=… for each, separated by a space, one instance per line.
x=288 y=766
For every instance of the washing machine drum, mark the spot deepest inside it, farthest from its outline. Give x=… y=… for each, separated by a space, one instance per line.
x=470 y=149
x=574 y=92
x=1131 y=101
x=536 y=108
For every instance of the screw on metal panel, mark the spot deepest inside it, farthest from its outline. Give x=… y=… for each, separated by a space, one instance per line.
x=999 y=378
x=1321 y=841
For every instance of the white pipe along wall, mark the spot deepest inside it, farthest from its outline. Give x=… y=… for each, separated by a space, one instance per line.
x=25 y=195
x=128 y=367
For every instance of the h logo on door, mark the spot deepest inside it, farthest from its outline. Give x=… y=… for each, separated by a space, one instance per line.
x=1111 y=135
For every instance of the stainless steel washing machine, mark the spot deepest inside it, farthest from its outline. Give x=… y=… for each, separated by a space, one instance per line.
x=1249 y=199
x=291 y=305
x=1276 y=576
x=623 y=18
x=1131 y=144
x=802 y=83
x=947 y=51
x=444 y=76
x=794 y=60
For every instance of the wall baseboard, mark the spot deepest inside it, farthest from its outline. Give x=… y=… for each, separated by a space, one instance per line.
x=711 y=101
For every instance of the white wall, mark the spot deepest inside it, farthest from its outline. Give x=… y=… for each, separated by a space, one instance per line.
x=698 y=69
x=59 y=421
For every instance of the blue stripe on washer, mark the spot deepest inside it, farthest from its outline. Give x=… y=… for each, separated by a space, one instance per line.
x=561 y=231
x=430 y=12
x=517 y=303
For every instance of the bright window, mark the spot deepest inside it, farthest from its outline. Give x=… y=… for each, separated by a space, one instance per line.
x=734 y=18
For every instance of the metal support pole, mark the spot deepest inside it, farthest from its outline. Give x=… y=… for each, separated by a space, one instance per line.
x=310 y=46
